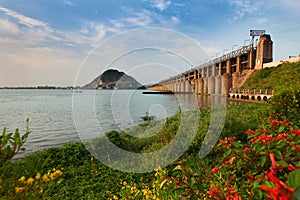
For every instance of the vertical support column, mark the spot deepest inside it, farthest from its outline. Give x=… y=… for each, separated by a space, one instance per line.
x=213 y=70
x=192 y=86
x=182 y=88
x=205 y=88
x=238 y=64
x=218 y=84
x=228 y=66
x=220 y=68
x=200 y=85
x=251 y=60
x=227 y=83
x=203 y=73
x=211 y=85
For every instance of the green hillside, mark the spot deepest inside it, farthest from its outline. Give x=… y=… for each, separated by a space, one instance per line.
x=282 y=77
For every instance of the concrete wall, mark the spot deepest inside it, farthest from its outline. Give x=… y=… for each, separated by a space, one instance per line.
x=276 y=63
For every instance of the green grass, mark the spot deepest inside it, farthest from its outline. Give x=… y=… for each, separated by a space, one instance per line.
x=277 y=78
x=84 y=177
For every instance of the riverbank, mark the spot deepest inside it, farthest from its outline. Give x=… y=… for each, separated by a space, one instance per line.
x=85 y=177
x=257 y=156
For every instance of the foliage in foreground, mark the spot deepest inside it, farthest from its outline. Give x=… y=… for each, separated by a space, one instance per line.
x=268 y=167
x=13 y=181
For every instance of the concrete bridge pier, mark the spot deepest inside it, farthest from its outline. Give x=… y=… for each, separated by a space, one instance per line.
x=218 y=84
x=227 y=83
x=187 y=86
x=182 y=86
x=193 y=86
x=196 y=86
x=211 y=85
x=205 y=87
x=200 y=85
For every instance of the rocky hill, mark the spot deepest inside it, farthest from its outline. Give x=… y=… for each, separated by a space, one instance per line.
x=113 y=79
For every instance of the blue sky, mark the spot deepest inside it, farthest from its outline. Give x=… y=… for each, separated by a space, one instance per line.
x=51 y=42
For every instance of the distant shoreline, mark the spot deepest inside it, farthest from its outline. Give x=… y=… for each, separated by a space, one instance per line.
x=39 y=87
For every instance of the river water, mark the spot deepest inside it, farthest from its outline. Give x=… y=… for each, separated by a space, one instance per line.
x=52 y=112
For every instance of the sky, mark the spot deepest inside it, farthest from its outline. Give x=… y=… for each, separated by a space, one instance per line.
x=71 y=42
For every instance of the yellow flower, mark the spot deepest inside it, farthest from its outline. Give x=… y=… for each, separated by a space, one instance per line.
x=38 y=176
x=27 y=119
x=22 y=179
x=124 y=183
x=45 y=178
x=52 y=176
x=19 y=189
x=58 y=172
x=30 y=181
x=115 y=198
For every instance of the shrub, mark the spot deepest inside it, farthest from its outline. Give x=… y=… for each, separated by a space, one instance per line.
x=267 y=167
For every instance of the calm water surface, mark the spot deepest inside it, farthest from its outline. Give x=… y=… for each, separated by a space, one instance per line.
x=51 y=112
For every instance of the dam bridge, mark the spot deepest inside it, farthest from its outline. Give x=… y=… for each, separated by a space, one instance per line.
x=222 y=74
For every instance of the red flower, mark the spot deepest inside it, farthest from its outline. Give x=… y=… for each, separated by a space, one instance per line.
x=274 y=122
x=246 y=149
x=250 y=177
x=272 y=157
x=284 y=122
x=227 y=163
x=291 y=168
x=282 y=136
x=215 y=170
x=250 y=132
x=297 y=148
x=231 y=139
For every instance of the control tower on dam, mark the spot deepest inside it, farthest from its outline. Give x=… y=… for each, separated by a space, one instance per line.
x=218 y=76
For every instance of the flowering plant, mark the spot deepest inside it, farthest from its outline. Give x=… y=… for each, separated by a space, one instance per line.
x=268 y=167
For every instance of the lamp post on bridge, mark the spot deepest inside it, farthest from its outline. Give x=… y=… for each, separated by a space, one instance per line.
x=246 y=40
x=235 y=45
x=224 y=51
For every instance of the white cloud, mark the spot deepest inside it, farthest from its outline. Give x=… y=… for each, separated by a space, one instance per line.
x=8 y=27
x=142 y=19
x=161 y=4
x=117 y=24
x=68 y=2
x=30 y=22
x=36 y=32
x=175 y=19
x=244 y=7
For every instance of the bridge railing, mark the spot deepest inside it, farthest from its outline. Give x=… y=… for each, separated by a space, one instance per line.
x=252 y=91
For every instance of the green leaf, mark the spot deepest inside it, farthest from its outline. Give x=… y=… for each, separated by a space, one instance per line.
x=281 y=144
x=24 y=137
x=281 y=128
x=227 y=152
x=178 y=167
x=193 y=198
x=262 y=160
x=277 y=153
x=294 y=179
x=269 y=184
x=17 y=138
